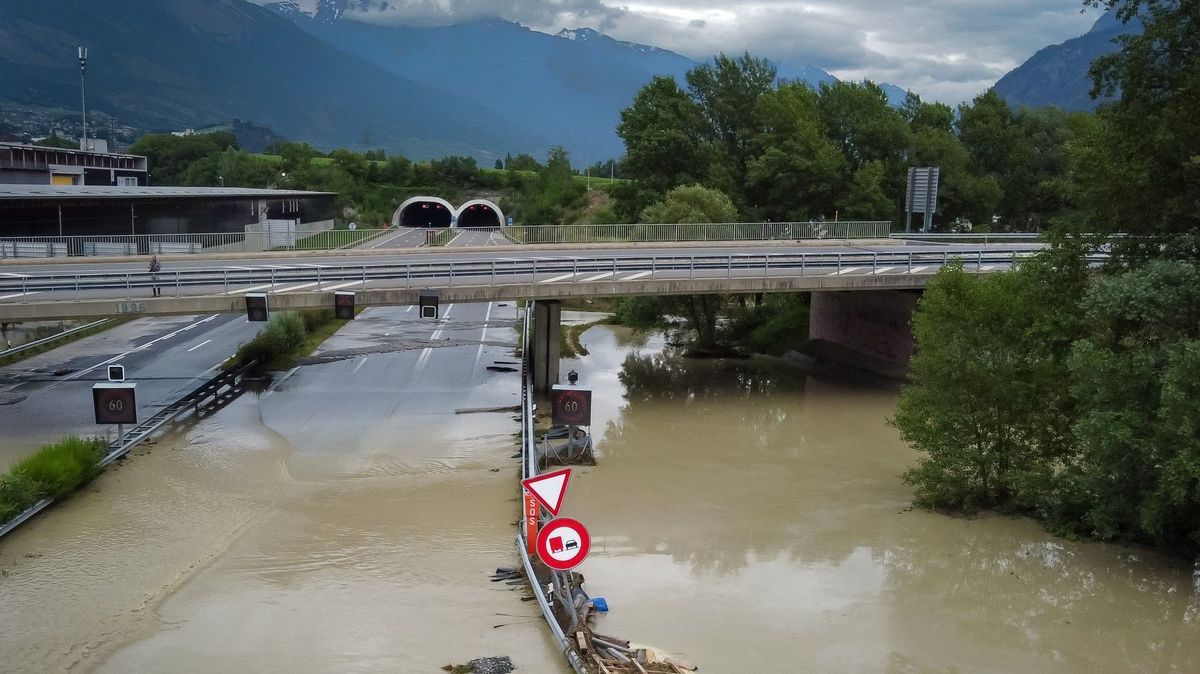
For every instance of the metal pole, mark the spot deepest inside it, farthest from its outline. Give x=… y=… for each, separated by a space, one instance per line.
x=132 y=230
x=83 y=93
x=60 y=231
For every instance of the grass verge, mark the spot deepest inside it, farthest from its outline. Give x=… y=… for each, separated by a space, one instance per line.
x=52 y=472
x=29 y=353
x=288 y=338
x=569 y=344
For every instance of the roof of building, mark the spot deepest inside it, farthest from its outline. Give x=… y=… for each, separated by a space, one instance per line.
x=108 y=192
x=77 y=151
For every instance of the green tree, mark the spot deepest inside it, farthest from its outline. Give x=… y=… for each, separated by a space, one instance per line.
x=988 y=402
x=1139 y=399
x=169 y=156
x=1151 y=134
x=662 y=131
x=795 y=170
x=866 y=197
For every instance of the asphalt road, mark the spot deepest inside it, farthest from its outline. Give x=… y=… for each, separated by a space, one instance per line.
x=50 y=393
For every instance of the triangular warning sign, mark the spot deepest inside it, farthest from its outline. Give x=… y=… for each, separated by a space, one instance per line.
x=548 y=489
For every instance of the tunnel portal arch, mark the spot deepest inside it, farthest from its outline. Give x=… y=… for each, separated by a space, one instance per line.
x=424 y=212
x=480 y=213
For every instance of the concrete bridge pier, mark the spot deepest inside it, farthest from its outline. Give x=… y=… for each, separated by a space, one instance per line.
x=869 y=330
x=547 y=316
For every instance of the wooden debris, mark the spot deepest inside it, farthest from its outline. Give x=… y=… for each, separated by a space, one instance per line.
x=581 y=641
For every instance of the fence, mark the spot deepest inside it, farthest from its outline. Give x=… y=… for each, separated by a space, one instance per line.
x=732 y=231
x=182 y=244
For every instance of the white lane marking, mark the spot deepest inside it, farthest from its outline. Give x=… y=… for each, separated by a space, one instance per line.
x=361 y=363
x=316 y=266
x=918 y=270
x=279 y=381
x=844 y=271
x=482 y=338
x=199 y=345
x=229 y=266
x=883 y=270
x=143 y=347
x=278 y=266
x=9 y=297
x=13 y=275
x=410 y=308
x=424 y=358
x=597 y=277
x=555 y=279
x=989 y=267
x=302 y=286
x=343 y=285
x=638 y=275
x=251 y=289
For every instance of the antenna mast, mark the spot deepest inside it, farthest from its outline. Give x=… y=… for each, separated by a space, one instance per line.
x=83 y=94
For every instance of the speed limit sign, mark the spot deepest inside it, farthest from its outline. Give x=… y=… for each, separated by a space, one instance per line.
x=114 y=403
x=571 y=406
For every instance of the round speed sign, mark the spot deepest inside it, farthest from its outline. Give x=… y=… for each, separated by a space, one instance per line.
x=572 y=407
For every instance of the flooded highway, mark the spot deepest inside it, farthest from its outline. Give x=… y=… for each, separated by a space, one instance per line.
x=744 y=517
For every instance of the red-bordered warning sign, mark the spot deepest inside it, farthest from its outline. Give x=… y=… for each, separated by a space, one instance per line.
x=549 y=488
x=563 y=543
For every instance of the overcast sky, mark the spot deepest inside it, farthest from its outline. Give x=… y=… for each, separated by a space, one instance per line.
x=947 y=50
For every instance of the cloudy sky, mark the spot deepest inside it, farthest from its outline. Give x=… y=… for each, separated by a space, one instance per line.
x=947 y=50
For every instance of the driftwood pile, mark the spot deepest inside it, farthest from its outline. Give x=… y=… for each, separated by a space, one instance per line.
x=616 y=656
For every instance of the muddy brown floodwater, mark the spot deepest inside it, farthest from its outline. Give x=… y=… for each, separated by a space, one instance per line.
x=744 y=517
x=754 y=520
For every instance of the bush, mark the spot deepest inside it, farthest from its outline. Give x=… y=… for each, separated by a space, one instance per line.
x=287 y=330
x=52 y=472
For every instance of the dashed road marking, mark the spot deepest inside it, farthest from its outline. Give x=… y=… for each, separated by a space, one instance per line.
x=556 y=279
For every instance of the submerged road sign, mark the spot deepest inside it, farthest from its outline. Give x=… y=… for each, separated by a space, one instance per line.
x=549 y=488
x=114 y=403
x=563 y=544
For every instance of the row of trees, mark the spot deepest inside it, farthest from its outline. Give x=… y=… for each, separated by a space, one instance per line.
x=370 y=185
x=1073 y=396
x=783 y=151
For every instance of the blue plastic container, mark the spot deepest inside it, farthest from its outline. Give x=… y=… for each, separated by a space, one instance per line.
x=600 y=604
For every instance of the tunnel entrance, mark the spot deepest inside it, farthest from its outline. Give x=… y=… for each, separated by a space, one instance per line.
x=479 y=214
x=425 y=214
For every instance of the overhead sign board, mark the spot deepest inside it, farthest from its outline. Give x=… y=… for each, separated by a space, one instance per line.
x=114 y=403
x=549 y=488
x=571 y=406
x=563 y=544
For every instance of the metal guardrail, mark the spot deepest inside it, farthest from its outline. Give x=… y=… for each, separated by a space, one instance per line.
x=509 y=271
x=529 y=468
x=52 y=338
x=182 y=244
x=441 y=237
x=727 y=231
x=969 y=237
x=123 y=444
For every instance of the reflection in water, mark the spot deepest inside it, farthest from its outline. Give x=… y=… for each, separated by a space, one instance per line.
x=736 y=498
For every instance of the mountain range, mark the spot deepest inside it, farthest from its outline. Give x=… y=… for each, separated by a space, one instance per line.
x=311 y=71
x=1058 y=75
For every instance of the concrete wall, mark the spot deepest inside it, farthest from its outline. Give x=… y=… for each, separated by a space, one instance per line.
x=873 y=322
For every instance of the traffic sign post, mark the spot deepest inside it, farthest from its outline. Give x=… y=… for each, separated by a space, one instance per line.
x=563 y=544
x=548 y=489
x=531 y=522
x=115 y=403
x=343 y=305
x=571 y=405
x=428 y=303
x=256 y=307
x=116 y=373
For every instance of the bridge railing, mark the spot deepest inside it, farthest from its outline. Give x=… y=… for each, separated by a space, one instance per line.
x=503 y=271
x=106 y=245
x=727 y=231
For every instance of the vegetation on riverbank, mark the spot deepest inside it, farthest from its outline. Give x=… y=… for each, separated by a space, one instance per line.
x=287 y=338
x=52 y=472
